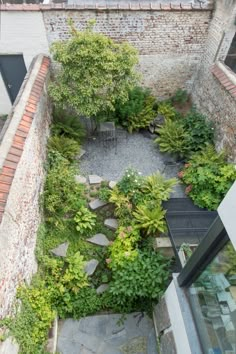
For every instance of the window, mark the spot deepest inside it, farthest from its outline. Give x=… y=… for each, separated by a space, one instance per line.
x=213 y=300
x=230 y=59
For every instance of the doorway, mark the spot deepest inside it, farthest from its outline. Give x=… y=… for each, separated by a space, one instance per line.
x=13 y=70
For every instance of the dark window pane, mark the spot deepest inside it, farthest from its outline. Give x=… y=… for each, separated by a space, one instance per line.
x=230 y=60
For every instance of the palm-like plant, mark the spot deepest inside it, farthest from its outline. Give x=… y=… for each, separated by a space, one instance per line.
x=157 y=187
x=150 y=220
x=172 y=138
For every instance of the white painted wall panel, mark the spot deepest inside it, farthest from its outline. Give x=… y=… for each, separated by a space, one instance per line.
x=21 y=33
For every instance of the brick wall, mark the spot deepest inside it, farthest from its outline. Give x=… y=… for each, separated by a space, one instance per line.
x=214 y=83
x=22 y=154
x=170 y=41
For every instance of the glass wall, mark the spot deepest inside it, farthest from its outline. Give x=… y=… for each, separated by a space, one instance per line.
x=213 y=301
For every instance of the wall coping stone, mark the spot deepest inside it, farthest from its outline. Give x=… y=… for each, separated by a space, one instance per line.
x=108 y=7
x=226 y=77
x=13 y=140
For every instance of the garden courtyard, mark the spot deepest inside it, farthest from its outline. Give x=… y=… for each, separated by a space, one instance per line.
x=103 y=202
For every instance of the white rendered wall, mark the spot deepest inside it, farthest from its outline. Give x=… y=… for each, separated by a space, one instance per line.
x=21 y=33
x=227 y=213
x=5 y=103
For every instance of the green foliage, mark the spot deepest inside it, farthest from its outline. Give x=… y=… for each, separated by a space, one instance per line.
x=67 y=147
x=32 y=320
x=138 y=111
x=61 y=194
x=104 y=193
x=172 y=138
x=83 y=303
x=180 y=96
x=124 y=247
x=208 y=178
x=123 y=206
x=66 y=124
x=167 y=110
x=199 y=130
x=157 y=188
x=144 y=276
x=151 y=220
x=84 y=219
x=95 y=72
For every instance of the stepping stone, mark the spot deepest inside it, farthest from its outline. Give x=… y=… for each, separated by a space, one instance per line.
x=102 y=288
x=91 y=266
x=99 y=239
x=112 y=184
x=61 y=250
x=80 y=179
x=97 y=203
x=94 y=179
x=111 y=224
x=82 y=152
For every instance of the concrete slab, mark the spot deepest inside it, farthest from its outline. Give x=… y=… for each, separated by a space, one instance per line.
x=96 y=204
x=80 y=179
x=111 y=224
x=99 y=239
x=101 y=334
x=91 y=266
x=61 y=250
x=94 y=179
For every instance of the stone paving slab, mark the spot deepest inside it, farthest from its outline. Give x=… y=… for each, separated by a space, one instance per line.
x=96 y=204
x=60 y=250
x=111 y=223
x=91 y=266
x=80 y=179
x=99 y=239
x=101 y=334
x=94 y=179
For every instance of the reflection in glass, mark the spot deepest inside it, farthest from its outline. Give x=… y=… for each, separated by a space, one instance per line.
x=213 y=301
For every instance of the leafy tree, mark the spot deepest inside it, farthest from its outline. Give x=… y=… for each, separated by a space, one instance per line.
x=94 y=73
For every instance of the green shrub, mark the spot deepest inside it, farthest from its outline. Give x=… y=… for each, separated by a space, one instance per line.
x=180 y=96
x=208 y=178
x=150 y=219
x=67 y=147
x=33 y=319
x=145 y=276
x=123 y=206
x=125 y=247
x=157 y=188
x=67 y=125
x=85 y=220
x=199 y=130
x=138 y=111
x=167 y=110
x=104 y=193
x=61 y=194
x=172 y=138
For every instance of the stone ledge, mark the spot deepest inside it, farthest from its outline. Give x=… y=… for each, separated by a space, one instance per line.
x=107 y=7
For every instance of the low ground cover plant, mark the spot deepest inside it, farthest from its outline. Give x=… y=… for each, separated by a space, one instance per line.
x=208 y=177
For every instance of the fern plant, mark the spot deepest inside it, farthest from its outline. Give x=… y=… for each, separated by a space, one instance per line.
x=68 y=125
x=150 y=220
x=157 y=188
x=67 y=147
x=172 y=138
x=122 y=204
x=167 y=110
x=85 y=220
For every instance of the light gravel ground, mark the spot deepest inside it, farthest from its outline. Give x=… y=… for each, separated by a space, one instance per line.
x=137 y=150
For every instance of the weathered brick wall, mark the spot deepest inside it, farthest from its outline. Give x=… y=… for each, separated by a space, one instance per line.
x=213 y=99
x=170 y=42
x=22 y=155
